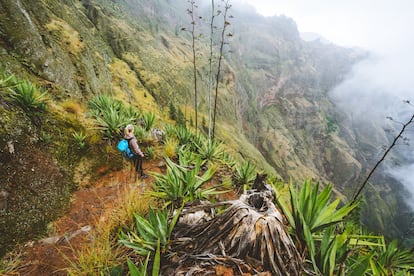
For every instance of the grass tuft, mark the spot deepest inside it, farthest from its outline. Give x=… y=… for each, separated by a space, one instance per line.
x=103 y=252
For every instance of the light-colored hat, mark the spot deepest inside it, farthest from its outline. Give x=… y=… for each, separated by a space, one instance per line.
x=129 y=130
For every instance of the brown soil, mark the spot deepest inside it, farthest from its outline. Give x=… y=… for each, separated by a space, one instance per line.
x=52 y=255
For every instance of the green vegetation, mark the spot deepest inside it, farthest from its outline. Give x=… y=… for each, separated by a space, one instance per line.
x=10 y=263
x=311 y=212
x=334 y=244
x=111 y=115
x=148 y=120
x=331 y=125
x=322 y=231
x=182 y=184
x=149 y=234
x=28 y=96
x=196 y=167
x=143 y=267
x=245 y=174
x=7 y=81
x=80 y=138
x=210 y=150
x=150 y=153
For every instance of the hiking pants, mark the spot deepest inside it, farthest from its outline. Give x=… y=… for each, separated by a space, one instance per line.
x=138 y=165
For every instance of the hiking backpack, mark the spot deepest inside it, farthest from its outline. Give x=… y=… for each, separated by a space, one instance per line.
x=123 y=147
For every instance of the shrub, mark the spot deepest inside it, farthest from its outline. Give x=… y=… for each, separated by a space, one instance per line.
x=170 y=148
x=72 y=107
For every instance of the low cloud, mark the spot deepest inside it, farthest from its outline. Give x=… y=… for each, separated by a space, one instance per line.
x=378 y=86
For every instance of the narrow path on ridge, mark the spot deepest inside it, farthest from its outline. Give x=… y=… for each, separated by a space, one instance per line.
x=51 y=255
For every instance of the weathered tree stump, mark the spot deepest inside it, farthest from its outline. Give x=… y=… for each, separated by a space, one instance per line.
x=248 y=236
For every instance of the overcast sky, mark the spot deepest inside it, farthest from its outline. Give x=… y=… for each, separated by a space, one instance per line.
x=365 y=23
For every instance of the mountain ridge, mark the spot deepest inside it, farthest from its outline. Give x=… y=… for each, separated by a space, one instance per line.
x=273 y=97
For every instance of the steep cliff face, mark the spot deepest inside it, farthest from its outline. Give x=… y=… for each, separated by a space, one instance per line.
x=286 y=92
x=55 y=42
x=273 y=103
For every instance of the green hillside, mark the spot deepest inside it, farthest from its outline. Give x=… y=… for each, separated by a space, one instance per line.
x=62 y=59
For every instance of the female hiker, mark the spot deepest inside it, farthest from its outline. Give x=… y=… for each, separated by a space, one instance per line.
x=133 y=145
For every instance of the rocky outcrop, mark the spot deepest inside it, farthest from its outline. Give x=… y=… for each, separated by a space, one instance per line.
x=34 y=187
x=56 y=43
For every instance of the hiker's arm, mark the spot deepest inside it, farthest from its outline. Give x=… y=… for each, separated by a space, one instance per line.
x=135 y=147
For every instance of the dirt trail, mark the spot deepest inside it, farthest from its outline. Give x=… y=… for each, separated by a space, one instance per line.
x=49 y=256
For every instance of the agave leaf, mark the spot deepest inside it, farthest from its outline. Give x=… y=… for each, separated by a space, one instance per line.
x=376 y=268
x=361 y=266
x=287 y=212
x=144 y=267
x=157 y=261
x=145 y=228
x=136 y=247
x=162 y=227
x=332 y=256
x=175 y=219
x=133 y=270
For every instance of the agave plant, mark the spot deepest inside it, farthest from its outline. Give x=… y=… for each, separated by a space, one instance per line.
x=170 y=148
x=140 y=133
x=310 y=212
x=182 y=184
x=391 y=260
x=184 y=135
x=227 y=160
x=28 y=96
x=210 y=150
x=45 y=137
x=79 y=139
x=148 y=120
x=148 y=232
x=111 y=121
x=150 y=153
x=7 y=81
x=169 y=131
x=111 y=115
x=102 y=102
x=332 y=250
x=186 y=156
x=245 y=174
x=142 y=270
x=150 y=236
